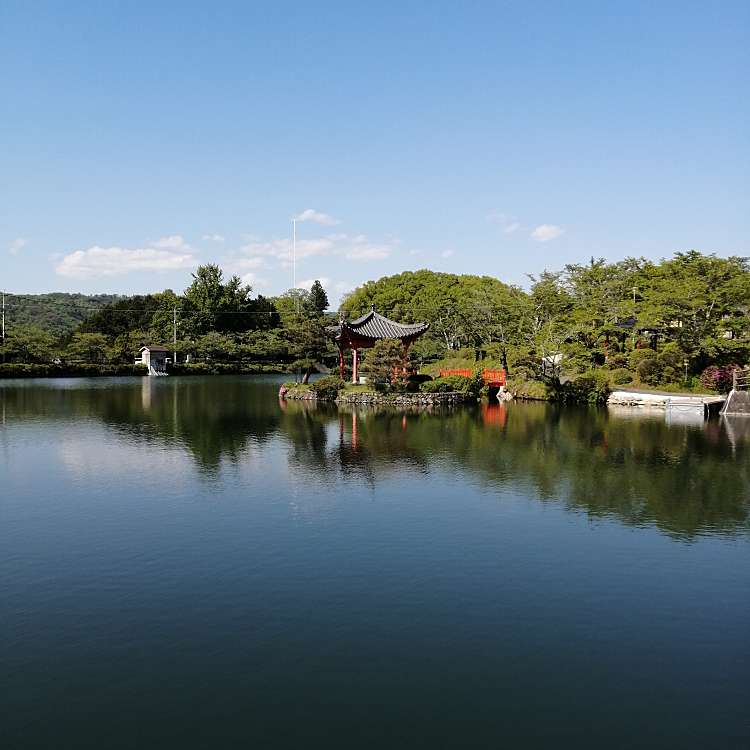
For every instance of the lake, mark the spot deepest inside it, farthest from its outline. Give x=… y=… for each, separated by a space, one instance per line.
x=189 y=563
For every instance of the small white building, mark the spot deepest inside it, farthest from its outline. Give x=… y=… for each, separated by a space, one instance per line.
x=155 y=358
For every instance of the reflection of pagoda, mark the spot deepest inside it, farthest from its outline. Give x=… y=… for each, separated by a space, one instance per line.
x=363 y=332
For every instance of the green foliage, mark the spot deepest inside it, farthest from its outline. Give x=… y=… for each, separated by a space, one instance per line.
x=122 y=316
x=650 y=370
x=318 y=298
x=384 y=363
x=88 y=347
x=327 y=388
x=621 y=376
x=638 y=355
x=454 y=384
x=29 y=344
x=57 y=314
x=590 y=388
x=68 y=369
x=462 y=310
x=524 y=388
x=692 y=307
x=303 y=330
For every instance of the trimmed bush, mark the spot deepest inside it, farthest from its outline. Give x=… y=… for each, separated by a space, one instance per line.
x=454 y=384
x=327 y=388
x=590 y=388
x=524 y=388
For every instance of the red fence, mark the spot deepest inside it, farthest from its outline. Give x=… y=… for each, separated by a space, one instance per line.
x=491 y=377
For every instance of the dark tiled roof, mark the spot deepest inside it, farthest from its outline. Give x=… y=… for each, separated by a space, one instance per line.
x=372 y=325
x=155 y=348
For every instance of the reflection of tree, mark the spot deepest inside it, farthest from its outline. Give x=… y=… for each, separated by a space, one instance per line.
x=685 y=480
x=213 y=418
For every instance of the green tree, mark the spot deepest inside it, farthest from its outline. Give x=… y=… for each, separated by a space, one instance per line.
x=384 y=362
x=89 y=347
x=318 y=298
x=303 y=330
x=29 y=345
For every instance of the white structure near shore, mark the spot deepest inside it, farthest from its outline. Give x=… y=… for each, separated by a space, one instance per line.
x=155 y=358
x=667 y=401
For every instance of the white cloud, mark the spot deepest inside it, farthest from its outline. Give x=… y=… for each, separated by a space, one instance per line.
x=446 y=253
x=356 y=248
x=173 y=242
x=546 y=232
x=365 y=253
x=167 y=254
x=245 y=264
x=17 y=245
x=508 y=223
x=310 y=214
x=254 y=281
x=360 y=249
x=307 y=283
x=213 y=237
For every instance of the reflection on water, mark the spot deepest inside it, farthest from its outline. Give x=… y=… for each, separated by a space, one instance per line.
x=189 y=563
x=685 y=475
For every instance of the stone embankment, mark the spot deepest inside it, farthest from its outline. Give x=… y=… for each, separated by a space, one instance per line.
x=384 y=399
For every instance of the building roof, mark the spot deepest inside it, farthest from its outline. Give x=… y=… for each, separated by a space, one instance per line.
x=154 y=349
x=373 y=326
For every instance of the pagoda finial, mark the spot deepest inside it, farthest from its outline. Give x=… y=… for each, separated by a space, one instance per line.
x=372 y=307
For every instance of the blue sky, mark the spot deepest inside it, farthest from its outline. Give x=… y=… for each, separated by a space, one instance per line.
x=138 y=139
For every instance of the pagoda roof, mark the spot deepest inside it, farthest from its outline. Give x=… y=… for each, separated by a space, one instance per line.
x=373 y=326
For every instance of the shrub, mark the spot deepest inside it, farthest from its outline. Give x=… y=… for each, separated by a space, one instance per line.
x=718 y=378
x=525 y=388
x=448 y=384
x=621 y=376
x=617 y=361
x=75 y=369
x=649 y=371
x=327 y=388
x=638 y=355
x=590 y=388
x=672 y=356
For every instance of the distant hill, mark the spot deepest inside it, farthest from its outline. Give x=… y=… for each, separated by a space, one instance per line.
x=57 y=312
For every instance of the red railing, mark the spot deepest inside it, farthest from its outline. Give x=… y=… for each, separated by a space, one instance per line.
x=491 y=377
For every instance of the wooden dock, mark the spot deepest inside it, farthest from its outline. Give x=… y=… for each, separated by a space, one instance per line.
x=706 y=404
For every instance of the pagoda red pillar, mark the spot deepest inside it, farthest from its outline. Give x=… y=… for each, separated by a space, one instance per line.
x=341 y=363
x=355 y=366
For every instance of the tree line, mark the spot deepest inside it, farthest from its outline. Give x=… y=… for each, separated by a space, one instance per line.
x=653 y=322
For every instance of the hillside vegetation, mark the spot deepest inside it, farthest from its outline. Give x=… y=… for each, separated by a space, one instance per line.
x=57 y=313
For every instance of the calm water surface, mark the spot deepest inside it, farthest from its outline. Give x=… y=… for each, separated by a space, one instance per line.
x=188 y=563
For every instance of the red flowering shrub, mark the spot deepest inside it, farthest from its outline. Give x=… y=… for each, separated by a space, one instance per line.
x=718 y=378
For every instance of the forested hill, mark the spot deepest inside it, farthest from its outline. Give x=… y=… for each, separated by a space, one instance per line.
x=57 y=313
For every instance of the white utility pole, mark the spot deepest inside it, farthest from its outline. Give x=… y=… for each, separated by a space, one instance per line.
x=174 y=335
